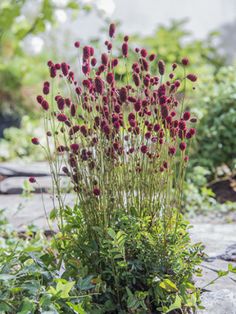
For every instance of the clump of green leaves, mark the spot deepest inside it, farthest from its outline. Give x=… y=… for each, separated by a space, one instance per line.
x=136 y=269
x=216 y=130
x=31 y=278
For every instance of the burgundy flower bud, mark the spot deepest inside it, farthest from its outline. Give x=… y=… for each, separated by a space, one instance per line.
x=144 y=64
x=91 y=51
x=186 y=115
x=137 y=106
x=104 y=59
x=126 y=38
x=164 y=111
x=186 y=158
x=86 y=68
x=185 y=61
x=116 y=125
x=136 y=79
x=57 y=66
x=39 y=99
x=65 y=170
x=45 y=105
x=177 y=83
x=143 y=53
x=146 y=81
x=35 y=141
x=93 y=62
x=53 y=72
x=137 y=50
x=148 y=135
x=182 y=125
x=132 y=123
x=165 y=164
x=84 y=130
x=192 y=77
x=86 y=52
x=123 y=94
x=161 y=67
x=61 y=149
x=74 y=147
x=163 y=100
x=182 y=146
x=64 y=68
x=144 y=149
x=161 y=90
x=46 y=90
x=125 y=49
x=78 y=91
x=86 y=83
x=188 y=135
x=112 y=29
x=152 y=57
x=157 y=127
x=110 y=78
x=171 y=150
x=99 y=86
x=96 y=191
x=50 y=63
x=114 y=63
x=174 y=66
x=60 y=103
x=132 y=99
x=61 y=117
x=32 y=180
x=74 y=130
x=73 y=110
x=77 y=44
x=192 y=131
x=171 y=76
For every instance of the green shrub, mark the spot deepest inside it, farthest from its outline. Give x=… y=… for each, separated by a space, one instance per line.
x=216 y=143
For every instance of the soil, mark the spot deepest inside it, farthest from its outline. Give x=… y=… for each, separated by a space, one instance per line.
x=225 y=190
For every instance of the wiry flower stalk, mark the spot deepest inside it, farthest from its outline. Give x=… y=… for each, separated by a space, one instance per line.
x=123 y=145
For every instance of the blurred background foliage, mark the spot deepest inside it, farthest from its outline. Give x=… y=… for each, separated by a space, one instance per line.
x=213 y=102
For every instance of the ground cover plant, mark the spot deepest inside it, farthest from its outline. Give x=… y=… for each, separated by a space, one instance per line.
x=124 y=148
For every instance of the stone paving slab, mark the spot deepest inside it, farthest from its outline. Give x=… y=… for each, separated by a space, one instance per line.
x=21 y=211
x=14 y=185
x=19 y=168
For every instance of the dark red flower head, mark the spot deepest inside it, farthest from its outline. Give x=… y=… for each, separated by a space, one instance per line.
x=192 y=77
x=35 y=141
x=182 y=146
x=161 y=67
x=77 y=44
x=96 y=191
x=185 y=61
x=32 y=180
x=112 y=29
x=125 y=49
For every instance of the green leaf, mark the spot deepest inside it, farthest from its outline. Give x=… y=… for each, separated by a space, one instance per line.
x=111 y=233
x=168 y=285
x=176 y=305
x=231 y=268
x=77 y=308
x=64 y=287
x=27 y=307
